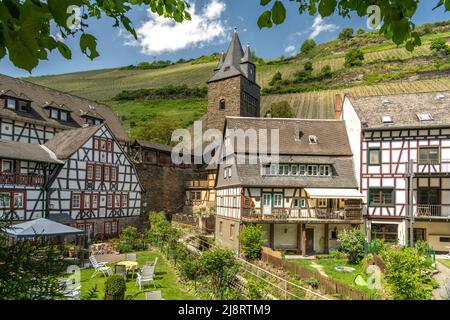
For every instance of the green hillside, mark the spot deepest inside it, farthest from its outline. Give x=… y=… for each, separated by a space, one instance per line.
x=385 y=69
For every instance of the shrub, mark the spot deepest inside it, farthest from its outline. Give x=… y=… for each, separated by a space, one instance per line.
x=308 y=66
x=220 y=265
x=346 y=34
x=352 y=243
x=313 y=283
x=131 y=239
x=281 y=109
x=255 y=289
x=378 y=246
x=252 y=240
x=440 y=46
x=276 y=77
x=423 y=248
x=189 y=267
x=338 y=255
x=360 y=31
x=307 y=46
x=406 y=274
x=326 y=72
x=115 y=287
x=354 y=57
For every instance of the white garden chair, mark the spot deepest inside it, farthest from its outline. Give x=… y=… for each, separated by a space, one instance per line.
x=131 y=257
x=145 y=276
x=153 y=295
x=100 y=267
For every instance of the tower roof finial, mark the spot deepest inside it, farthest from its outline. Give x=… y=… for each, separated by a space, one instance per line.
x=235 y=29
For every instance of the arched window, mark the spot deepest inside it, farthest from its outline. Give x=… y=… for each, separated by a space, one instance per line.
x=222 y=104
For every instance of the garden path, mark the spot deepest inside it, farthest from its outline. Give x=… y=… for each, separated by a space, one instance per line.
x=319 y=268
x=443 y=278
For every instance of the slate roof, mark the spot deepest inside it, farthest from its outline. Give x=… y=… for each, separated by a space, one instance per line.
x=25 y=151
x=42 y=96
x=153 y=145
x=403 y=109
x=342 y=177
x=332 y=148
x=66 y=142
x=331 y=134
x=230 y=65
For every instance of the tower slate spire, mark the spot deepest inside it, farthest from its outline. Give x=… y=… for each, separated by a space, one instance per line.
x=232 y=90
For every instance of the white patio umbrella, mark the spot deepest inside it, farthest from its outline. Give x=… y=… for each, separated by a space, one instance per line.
x=41 y=228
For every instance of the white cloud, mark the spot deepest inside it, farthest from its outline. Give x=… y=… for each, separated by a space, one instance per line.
x=159 y=35
x=290 y=49
x=320 y=26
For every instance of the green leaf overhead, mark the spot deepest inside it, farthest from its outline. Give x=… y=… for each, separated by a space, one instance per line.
x=26 y=37
x=396 y=16
x=88 y=45
x=278 y=12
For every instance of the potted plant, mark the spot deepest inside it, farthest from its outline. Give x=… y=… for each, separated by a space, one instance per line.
x=115 y=288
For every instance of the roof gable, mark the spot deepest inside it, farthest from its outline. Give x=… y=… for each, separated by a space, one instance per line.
x=41 y=97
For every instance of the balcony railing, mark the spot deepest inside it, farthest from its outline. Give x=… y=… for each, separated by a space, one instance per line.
x=21 y=178
x=433 y=210
x=197 y=184
x=304 y=214
x=432 y=166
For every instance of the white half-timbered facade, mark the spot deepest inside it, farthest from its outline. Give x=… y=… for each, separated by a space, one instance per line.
x=62 y=156
x=24 y=172
x=97 y=186
x=387 y=133
x=302 y=198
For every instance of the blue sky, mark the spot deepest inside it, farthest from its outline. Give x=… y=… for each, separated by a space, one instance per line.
x=208 y=32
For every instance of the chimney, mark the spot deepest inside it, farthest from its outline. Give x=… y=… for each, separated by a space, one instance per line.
x=338 y=107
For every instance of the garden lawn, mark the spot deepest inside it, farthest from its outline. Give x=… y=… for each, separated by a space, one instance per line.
x=445 y=262
x=165 y=280
x=329 y=265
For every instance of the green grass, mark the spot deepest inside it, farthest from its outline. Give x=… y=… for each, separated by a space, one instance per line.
x=445 y=262
x=134 y=114
x=329 y=265
x=165 y=280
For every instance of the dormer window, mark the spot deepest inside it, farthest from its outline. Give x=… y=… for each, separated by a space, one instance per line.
x=17 y=104
x=11 y=104
x=93 y=121
x=57 y=114
x=312 y=140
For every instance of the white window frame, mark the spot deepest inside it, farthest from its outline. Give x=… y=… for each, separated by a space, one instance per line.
x=76 y=196
x=278 y=200
x=19 y=196
x=7 y=200
x=302 y=170
x=314 y=170
x=11 y=104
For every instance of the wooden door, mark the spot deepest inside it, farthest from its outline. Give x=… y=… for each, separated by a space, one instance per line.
x=309 y=241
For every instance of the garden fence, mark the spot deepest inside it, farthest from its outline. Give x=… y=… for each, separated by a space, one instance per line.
x=326 y=284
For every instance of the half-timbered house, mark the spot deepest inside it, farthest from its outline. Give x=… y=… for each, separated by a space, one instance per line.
x=97 y=185
x=389 y=134
x=303 y=199
x=64 y=157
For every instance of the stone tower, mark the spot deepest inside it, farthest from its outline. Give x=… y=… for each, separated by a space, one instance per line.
x=232 y=90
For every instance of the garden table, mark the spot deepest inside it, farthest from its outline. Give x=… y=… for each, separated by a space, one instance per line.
x=129 y=265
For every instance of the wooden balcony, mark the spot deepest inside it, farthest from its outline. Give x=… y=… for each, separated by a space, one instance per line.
x=347 y=215
x=436 y=211
x=21 y=179
x=200 y=184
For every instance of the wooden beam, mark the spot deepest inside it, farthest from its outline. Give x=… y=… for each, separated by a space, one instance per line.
x=271 y=236
x=325 y=236
x=303 y=239
x=299 y=238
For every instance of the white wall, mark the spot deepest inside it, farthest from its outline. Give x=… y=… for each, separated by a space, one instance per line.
x=353 y=125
